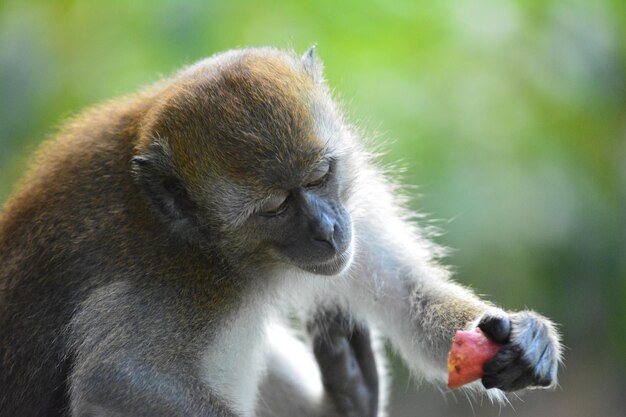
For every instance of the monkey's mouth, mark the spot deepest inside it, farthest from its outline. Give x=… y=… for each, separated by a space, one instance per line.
x=333 y=266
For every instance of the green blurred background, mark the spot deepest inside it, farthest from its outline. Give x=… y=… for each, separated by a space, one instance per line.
x=509 y=116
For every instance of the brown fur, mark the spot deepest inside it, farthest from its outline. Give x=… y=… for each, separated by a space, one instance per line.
x=237 y=115
x=79 y=224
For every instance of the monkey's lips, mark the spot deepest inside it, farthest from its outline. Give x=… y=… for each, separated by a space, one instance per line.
x=335 y=265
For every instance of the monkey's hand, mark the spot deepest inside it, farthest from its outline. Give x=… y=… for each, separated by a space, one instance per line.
x=346 y=361
x=531 y=351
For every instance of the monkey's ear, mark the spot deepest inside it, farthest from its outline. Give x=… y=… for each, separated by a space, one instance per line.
x=312 y=65
x=166 y=192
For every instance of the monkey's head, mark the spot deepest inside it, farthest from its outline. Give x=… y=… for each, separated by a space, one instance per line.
x=244 y=154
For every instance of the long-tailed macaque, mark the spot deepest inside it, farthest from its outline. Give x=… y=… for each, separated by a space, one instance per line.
x=152 y=259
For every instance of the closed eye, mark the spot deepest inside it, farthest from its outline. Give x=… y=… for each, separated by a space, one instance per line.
x=274 y=205
x=319 y=175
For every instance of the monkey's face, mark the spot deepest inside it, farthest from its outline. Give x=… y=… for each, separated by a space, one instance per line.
x=307 y=226
x=252 y=144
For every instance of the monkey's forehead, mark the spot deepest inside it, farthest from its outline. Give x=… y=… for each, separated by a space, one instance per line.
x=245 y=116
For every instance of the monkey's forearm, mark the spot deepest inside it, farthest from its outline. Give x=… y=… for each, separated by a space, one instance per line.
x=124 y=367
x=402 y=289
x=96 y=410
x=438 y=310
x=122 y=388
x=420 y=314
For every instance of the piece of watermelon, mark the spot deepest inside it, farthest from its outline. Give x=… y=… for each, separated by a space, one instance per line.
x=470 y=350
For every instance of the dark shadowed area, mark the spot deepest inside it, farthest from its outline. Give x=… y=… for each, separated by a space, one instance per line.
x=508 y=120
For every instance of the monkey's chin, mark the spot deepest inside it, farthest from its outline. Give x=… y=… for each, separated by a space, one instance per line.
x=333 y=266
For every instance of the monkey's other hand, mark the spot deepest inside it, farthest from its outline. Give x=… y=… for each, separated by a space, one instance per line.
x=347 y=364
x=531 y=351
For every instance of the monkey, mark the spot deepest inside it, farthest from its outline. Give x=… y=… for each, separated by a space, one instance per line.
x=62 y=273
x=162 y=246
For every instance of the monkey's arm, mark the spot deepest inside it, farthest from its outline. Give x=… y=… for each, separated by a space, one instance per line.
x=401 y=287
x=123 y=386
x=131 y=360
x=343 y=383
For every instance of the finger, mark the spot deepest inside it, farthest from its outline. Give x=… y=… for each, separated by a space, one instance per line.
x=342 y=377
x=337 y=364
x=496 y=327
x=525 y=380
x=506 y=355
x=507 y=379
x=360 y=342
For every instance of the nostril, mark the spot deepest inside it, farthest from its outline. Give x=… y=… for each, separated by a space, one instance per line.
x=324 y=236
x=324 y=231
x=330 y=243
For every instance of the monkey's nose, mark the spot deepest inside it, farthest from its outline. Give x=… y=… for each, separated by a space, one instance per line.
x=324 y=231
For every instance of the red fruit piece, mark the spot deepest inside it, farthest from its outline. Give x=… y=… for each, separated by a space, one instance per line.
x=470 y=350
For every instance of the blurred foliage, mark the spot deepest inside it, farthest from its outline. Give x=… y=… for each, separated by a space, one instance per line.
x=509 y=116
